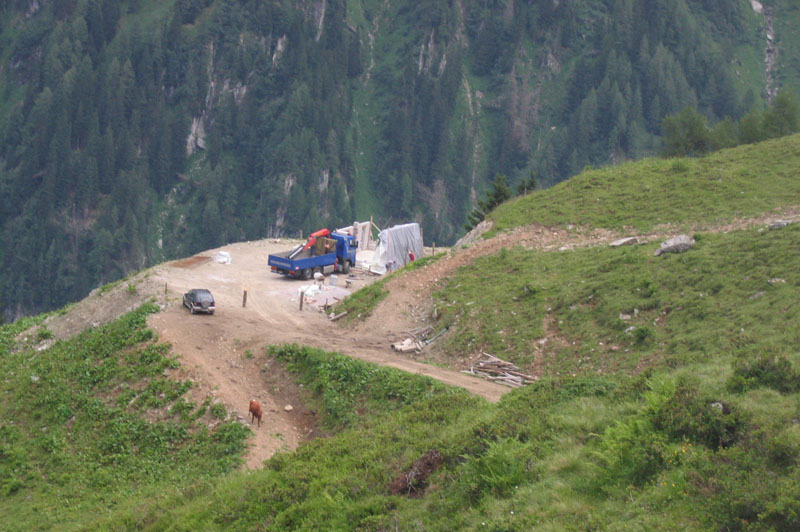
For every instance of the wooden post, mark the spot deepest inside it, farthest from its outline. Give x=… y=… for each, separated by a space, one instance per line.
x=302 y=296
x=434 y=249
x=244 y=298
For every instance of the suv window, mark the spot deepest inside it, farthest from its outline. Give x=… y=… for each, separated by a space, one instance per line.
x=203 y=295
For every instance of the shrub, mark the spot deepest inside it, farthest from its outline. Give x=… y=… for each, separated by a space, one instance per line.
x=218 y=410
x=643 y=335
x=44 y=334
x=766 y=369
x=503 y=467
x=639 y=447
x=743 y=494
x=696 y=417
x=632 y=450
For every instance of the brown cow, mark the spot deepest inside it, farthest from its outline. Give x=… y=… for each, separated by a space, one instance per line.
x=255 y=411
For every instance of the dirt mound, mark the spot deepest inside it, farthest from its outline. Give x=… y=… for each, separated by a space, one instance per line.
x=190 y=262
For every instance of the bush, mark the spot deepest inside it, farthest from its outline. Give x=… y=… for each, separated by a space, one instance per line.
x=695 y=417
x=632 y=450
x=765 y=370
x=502 y=468
x=742 y=493
x=218 y=411
x=639 y=447
x=44 y=334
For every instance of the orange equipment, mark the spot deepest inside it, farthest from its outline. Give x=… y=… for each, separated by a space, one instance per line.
x=312 y=238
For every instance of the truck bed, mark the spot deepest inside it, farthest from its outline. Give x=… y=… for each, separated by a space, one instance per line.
x=322 y=256
x=285 y=254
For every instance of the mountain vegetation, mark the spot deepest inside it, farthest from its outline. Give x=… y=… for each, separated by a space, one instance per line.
x=92 y=421
x=133 y=131
x=668 y=396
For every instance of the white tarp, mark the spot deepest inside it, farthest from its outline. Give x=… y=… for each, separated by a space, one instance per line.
x=394 y=245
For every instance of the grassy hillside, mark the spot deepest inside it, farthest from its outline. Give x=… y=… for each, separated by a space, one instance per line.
x=606 y=310
x=740 y=182
x=704 y=437
x=668 y=397
x=92 y=422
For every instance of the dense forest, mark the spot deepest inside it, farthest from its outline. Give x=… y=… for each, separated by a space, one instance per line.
x=137 y=131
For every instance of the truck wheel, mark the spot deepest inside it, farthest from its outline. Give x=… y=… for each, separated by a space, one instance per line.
x=307 y=274
x=346 y=267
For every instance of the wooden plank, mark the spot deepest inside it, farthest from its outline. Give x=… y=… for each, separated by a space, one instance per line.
x=337 y=316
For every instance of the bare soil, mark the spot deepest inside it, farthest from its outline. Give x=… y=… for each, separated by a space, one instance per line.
x=224 y=354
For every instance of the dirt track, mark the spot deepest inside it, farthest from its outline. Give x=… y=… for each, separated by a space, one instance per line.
x=223 y=353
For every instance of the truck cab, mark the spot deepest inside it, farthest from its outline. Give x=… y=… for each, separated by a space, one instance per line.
x=346 y=246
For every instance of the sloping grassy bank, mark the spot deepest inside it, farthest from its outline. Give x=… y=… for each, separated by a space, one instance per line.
x=669 y=398
x=672 y=450
x=90 y=423
x=693 y=427
x=622 y=309
x=740 y=182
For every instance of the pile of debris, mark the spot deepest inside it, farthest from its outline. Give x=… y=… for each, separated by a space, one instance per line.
x=500 y=371
x=417 y=339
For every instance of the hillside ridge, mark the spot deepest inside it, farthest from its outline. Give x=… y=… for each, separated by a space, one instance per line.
x=216 y=352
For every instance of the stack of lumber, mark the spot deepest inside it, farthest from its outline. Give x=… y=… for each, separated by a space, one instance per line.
x=500 y=371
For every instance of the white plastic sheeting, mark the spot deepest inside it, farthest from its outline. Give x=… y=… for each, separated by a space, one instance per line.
x=394 y=245
x=223 y=257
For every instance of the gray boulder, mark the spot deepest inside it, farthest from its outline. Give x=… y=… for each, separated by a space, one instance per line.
x=624 y=242
x=678 y=244
x=779 y=224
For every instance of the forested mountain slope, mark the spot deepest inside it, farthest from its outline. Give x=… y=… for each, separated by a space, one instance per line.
x=135 y=131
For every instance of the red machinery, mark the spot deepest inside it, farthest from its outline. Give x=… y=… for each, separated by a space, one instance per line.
x=312 y=238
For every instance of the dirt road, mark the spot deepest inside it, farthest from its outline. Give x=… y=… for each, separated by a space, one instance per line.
x=222 y=353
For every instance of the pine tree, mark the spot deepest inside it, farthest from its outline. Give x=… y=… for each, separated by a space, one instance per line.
x=686 y=134
x=782 y=117
x=497 y=194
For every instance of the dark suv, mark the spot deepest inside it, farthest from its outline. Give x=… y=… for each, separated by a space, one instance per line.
x=199 y=300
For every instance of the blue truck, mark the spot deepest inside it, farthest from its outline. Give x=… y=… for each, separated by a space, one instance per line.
x=324 y=252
